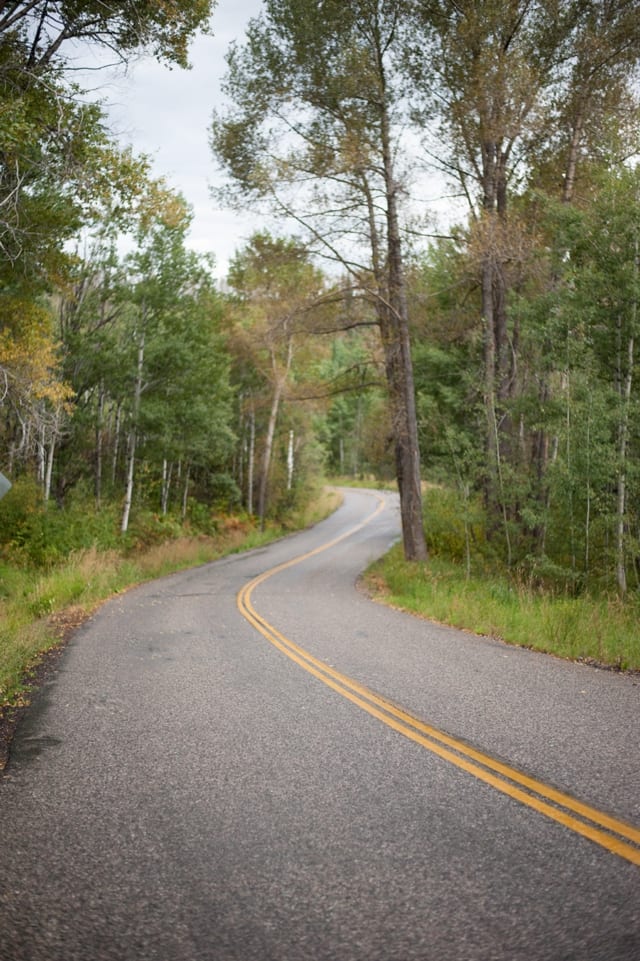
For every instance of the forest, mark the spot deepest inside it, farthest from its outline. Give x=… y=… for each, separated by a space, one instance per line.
x=485 y=349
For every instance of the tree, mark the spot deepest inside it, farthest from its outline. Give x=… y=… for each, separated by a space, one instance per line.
x=485 y=76
x=277 y=285
x=594 y=108
x=32 y=391
x=519 y=88
x=177 y=404
x=315 y=128
x=601 y=305
x=54 y=154
x=121 y=26
x=144 y=352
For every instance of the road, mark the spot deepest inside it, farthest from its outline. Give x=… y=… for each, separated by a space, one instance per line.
x=251 y=761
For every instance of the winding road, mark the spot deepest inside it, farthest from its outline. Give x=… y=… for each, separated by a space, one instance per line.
x=251 y=761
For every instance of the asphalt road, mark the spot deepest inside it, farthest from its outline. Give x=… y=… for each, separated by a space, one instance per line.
x=191 y=786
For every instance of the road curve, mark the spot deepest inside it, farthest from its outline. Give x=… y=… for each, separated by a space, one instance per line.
x=253 y=761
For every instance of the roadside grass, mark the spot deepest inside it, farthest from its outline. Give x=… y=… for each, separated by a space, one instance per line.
x=599 y=630
x=38 y=607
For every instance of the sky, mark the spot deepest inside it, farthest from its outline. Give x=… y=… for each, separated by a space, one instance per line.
x=166 y=114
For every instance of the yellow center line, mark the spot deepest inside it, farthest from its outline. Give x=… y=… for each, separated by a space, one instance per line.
x=602 y=828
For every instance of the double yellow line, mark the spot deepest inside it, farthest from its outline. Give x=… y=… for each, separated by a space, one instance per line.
x=609 y=832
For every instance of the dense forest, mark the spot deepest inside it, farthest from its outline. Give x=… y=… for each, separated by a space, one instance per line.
x=494 y=356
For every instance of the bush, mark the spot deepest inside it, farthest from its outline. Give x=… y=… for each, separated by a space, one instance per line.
x=453 y=522
x=39 y=535
x=19 y=511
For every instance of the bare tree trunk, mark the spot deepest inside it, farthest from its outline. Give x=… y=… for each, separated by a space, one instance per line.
x=99 y=437
x=252 y=457
x=133 y=439
x=625 y=399
x=49 y=464
x=569 y=461
x=239 y=452
x=185 y=492
x=41 y=448
x=167 y=471
x=116 y=444
x=587 y=520
x=494 y=488
x=290 y=462
x=268 y=448
x=357 y=439
x=128 y=496
x=572 y=158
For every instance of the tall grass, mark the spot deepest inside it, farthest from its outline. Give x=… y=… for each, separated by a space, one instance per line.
x=602 y=630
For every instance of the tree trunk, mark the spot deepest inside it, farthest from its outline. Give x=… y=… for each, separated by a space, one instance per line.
x=49 y=464
x=290 y=462
x=97 y=482
x=623 y=435
x=493 y=486
x=133 y=438
x=116 y=444
x=185 y=492
x=41 y=453
x=268 y=448
x=167 y=471
x=399 y=368
x=568 y=186
x=252 y=457
x=128 y=496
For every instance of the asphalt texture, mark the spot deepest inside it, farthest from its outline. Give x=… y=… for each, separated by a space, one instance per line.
x=182 y=791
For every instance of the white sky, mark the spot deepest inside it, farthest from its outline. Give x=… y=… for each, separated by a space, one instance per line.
x=166 y=114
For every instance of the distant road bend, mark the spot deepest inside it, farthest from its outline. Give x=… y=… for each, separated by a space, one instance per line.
x=183 y=792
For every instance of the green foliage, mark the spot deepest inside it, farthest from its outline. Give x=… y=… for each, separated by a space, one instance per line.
x=144 y=352
x=124 y=29
x=455 y=525
x=40 y=536
x=224 y=493
x=354 y=426
x=270 y=269
x=17 y=509
x=49 y=146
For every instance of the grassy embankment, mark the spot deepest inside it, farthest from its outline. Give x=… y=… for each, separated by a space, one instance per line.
x=471 y=592
x=39 y=606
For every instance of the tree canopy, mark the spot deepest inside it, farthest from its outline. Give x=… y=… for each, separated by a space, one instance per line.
x=47 y=28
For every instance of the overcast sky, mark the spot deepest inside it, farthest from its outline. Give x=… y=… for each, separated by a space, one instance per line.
x=166 y=113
